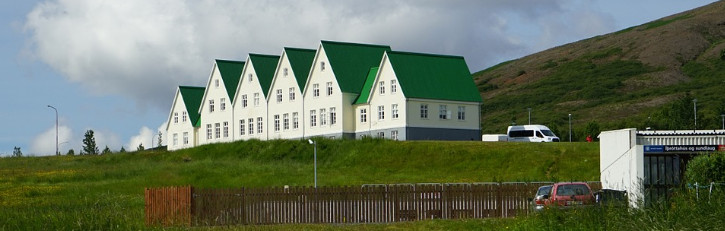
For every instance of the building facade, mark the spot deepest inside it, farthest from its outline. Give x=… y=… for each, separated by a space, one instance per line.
x=285 y=104
x=216 y=106
x=182 y=126
x=250 y=102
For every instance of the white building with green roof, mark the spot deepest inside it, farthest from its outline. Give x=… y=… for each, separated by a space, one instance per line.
x=250 y=98
x=216 y=104
x=285 y=104
x=183 y=122
x=414 y=96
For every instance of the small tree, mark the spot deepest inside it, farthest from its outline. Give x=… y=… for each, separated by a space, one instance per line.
x=106 y=150
x=592 y=129
x=17 y=152
x=123 y=150
x=71 y=152
x=140 y=147
x=706 y=168
x=159 y=139
x=89 y=144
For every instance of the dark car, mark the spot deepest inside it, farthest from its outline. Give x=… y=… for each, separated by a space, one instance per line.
x=567 y=194
x=542 y=194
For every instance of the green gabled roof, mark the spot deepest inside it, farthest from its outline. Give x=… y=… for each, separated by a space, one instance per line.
x=351 y=62
x=301 y=61
x=369 y=81
x=264 y=66
x=231 y=72
x=428 y=76
x=192 y=97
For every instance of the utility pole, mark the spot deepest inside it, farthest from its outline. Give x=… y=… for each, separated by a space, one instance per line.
x=56 y=130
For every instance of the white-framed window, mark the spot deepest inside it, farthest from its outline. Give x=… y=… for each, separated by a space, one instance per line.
x=276 y=123
x=211 y=105
x=216 y=83
x=322 y=66
x=381 y=112
x=186 y=138
x=250 y=125
x=285 y=121
x=241 y=127
x=279 y=95
x=208 y=131
x=333 y=116
x=244 y=100
x=444 y=113
x=315 y=90
x=381 y=85
x=393 y=86
x=323 y=117
x=329 y=88
x=313 y=118
x=291 y=94
x=256 y=99
x=217 y=130
x=394 y=134
x=461 y=112
x=424 y=111
x=285 y=72
x=260 y=125
x=226 y=129
x=394 y=110
x=176 y=117
x=176 y=139
x=363 y=115
x=183 y=116
x=222 y=104
x=250 y=77
x=295 y=120
x=381 y=134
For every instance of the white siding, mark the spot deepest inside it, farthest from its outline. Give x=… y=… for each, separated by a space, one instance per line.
x=341 y=102
x=252 y=111
x=287 y=106
x=180 y=126
x=217 y=94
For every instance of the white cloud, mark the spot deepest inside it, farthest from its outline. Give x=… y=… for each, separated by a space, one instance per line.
x=44 y=143
x=147 y=137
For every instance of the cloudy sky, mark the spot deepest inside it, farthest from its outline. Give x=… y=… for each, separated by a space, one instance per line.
x=113 y=66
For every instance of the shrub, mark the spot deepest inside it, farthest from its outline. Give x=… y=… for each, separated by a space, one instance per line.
x=706 y=168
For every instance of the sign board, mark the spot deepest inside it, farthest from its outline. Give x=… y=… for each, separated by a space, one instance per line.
x=683 y=148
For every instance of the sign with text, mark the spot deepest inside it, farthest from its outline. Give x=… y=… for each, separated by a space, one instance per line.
x=683 y=148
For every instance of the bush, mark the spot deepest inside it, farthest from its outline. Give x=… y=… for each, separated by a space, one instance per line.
x=706 y=168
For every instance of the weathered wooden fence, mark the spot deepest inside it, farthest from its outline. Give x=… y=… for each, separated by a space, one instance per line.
x=342 y=204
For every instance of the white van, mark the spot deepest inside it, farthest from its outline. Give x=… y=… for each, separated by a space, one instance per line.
x=531 y=133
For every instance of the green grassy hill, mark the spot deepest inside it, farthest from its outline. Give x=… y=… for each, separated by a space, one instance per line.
x=643 y=76
x=102 y=192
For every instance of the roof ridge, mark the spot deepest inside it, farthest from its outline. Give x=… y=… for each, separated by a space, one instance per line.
x=425 y=54
x=198 y=87
x=298 y=49
x=355 y=44
x=264 y=55
x=226 y=60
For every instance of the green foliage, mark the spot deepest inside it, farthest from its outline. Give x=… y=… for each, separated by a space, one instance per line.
x=601 y=54
x=89 y=144
x=592 y=129
x=660 y=23
x=706 y=168
x=140 y=147
x=106 y=150
x=71 y=152
x=17 y=152
x=123 y=150
x=676 y=115
x=722 y=54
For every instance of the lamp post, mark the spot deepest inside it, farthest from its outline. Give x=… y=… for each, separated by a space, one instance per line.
x=56 y=130
x=314 y=143
x=529 y=115
x=570 y=128
x=694 y=102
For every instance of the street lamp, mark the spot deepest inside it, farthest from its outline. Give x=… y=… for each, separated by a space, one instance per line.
x=56 y=130
x=570 y=128
x=529 y=116
x=313 y=143
x=694 y=102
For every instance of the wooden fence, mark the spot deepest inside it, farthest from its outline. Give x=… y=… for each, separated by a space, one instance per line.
x=341 y=204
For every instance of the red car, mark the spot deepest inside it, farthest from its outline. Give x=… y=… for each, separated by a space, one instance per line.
x=570 y=194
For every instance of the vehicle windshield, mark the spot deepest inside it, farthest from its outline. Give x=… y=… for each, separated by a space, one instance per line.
x=547 y=133
x=544 y=190
x=572 y=189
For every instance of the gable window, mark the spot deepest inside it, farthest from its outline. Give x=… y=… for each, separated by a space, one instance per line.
x=244 y=100
x=241 y=127
x=329 y=88
x=394 y=110
x=222 y=104
x=284 y=72
x=363 y=115
x=285 y=121
x=381 y=112
x=279 y=95
x=295 y=120
x=176 y=139
x=176 y=117
x=276 y=123
x=291 y=94
x=323 y=117
x=183 y=116
x=226 y=129
x=250 y=125
x=211 y=105
x=208 y=131
x=382 y=87
x=444 y=113
x=217 y=130
x=393 y=86
x=186 y=138
x=333 y=116
x=313 y=118
x=260 y=125
x=256 y=99
x=322 y=66
x=216 y=83
x=394 y=134
x=315 y=90
x=250 y=77
x=424 y=111
x=461 y=113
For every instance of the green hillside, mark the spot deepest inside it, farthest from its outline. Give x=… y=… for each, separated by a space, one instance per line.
x=98 y=192
x=643 y=76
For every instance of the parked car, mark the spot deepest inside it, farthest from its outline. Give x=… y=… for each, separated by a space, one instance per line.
x=542 y=194
x=567 y=194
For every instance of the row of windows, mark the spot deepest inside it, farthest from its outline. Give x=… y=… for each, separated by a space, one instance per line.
x=185 y=139
x=249 y=128
x=393 y=87
x=217 y=130
x=316 y=89
x=381 y=113
x=443 y=112
x=291 y=95
x=286 y=122
x=323 y=117
x=393 y=135
x=183 y=117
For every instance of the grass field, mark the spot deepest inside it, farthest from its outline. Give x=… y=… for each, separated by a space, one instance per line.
x=106 y=192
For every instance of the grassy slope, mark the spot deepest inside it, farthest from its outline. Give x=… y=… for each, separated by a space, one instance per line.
x=99 y=192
